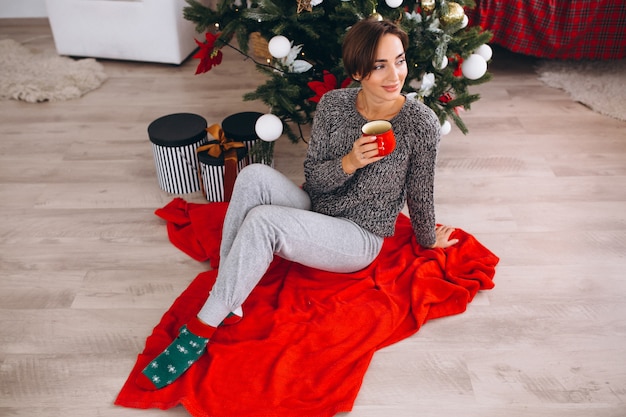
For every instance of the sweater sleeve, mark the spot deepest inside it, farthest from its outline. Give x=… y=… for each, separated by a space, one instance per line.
x=323 y=170
x=421 y=179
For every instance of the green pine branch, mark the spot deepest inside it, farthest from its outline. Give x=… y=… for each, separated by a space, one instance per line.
x=321 y=33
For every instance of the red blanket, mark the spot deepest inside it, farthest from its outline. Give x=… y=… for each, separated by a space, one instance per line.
x=307 y=336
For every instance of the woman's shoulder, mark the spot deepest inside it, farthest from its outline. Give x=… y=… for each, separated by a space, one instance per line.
x=339 y=96
x=417 y=110
x=417 y=106
x=421 y=117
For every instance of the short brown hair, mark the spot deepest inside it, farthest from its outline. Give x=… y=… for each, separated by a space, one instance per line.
x=359 y=45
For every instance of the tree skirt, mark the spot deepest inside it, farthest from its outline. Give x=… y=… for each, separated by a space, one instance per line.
x=41 y=76
x=307 y=336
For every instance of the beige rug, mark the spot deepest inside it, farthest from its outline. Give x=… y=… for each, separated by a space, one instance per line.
x=34 y=76
x=600 y=85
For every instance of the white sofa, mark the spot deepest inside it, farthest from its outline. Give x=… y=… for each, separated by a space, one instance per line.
x=135 y=30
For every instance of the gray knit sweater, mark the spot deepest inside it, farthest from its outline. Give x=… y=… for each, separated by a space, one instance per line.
x=374 y=195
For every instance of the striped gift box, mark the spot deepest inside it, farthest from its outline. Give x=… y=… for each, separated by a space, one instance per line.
x=212 y=171
x=175 y=138
x=240 y=127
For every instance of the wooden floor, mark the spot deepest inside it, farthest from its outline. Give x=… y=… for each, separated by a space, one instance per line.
x=86 y=268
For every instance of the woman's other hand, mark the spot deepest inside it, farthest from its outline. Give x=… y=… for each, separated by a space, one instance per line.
x=364 y=152
x=443 y=237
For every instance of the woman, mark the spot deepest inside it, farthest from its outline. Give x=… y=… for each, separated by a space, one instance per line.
x=350 y=200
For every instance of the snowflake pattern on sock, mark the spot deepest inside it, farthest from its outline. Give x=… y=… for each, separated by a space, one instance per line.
x=183 y=352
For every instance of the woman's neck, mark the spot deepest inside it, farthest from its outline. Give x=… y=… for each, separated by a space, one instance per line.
x=382 y=110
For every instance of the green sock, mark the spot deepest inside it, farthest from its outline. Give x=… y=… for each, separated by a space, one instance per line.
x=173 y=361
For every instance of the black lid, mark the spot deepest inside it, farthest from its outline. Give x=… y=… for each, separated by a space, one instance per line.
x=240 y=126
x=178 y=129
x=207 y=159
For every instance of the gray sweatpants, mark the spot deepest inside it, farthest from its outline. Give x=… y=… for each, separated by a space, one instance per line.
x=268 y=214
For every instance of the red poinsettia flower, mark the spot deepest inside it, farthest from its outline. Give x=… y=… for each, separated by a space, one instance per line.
x=322 y=87
x=208 y=54
x=446 y=98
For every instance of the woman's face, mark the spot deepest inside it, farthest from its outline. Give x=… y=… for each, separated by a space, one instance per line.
x=390 y=70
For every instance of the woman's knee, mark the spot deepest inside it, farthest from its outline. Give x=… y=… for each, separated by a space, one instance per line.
x=253 y=172
x=253 y=177
x=266 y=221
x=262 y=215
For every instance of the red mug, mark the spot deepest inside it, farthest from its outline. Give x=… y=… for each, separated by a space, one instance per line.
x=385 y=138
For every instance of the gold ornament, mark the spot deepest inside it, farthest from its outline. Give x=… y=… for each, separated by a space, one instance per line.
x=377 y=16
x=304 y=5
x=428 y=5
x=260 y=46
x=455 y=14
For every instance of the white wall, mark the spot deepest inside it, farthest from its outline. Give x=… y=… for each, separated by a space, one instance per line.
x=23 y=8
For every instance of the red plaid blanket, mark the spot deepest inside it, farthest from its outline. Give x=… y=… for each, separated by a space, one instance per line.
x=561 y=29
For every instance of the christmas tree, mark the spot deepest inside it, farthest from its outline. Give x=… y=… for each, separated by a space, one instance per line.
x=296 y=44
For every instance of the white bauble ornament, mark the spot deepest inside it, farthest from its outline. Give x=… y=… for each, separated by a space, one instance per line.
x=485 y=51
x=444 y=63
x=268 y=127
x=446 y=127
x=474 y=67
x=279 y=46
x=393 y=3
